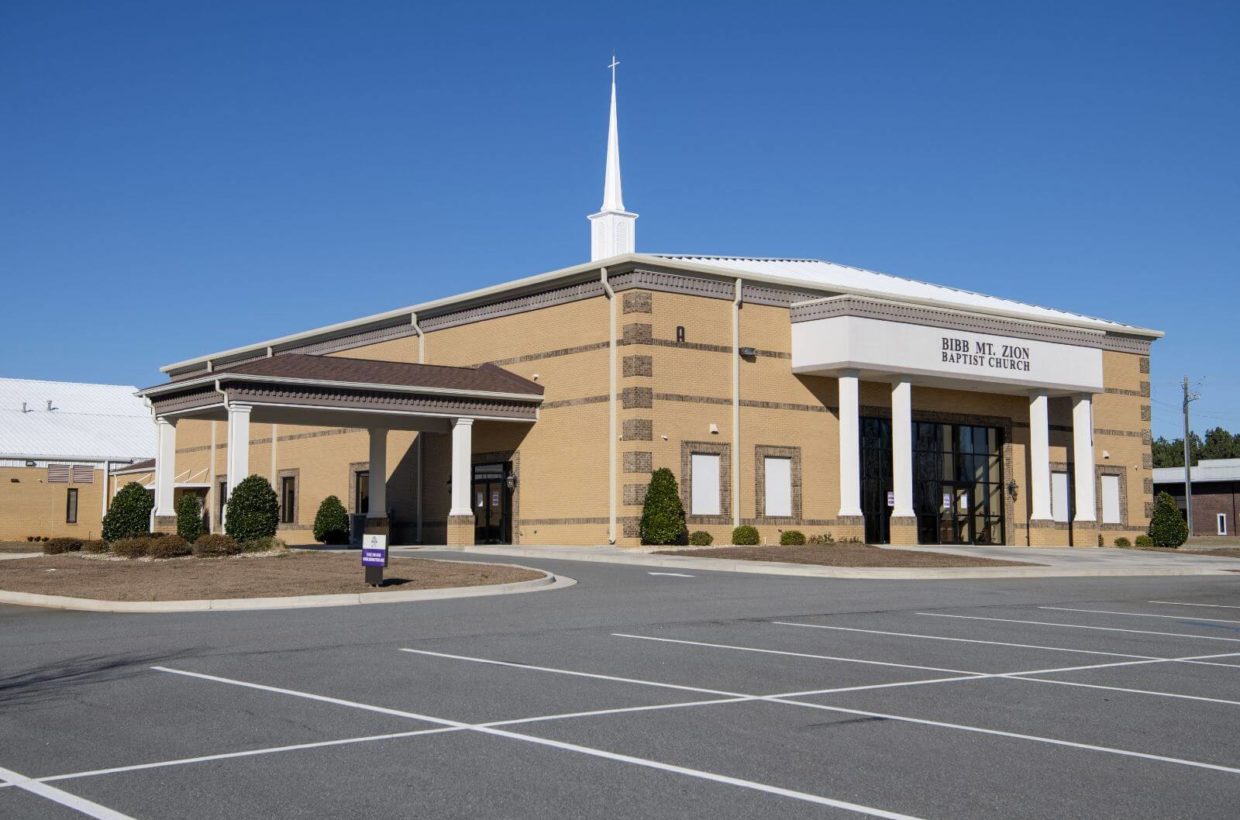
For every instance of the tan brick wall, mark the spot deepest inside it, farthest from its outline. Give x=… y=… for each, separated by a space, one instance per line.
x=31 y=506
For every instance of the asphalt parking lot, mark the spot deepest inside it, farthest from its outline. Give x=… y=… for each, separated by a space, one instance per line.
x=640 y=693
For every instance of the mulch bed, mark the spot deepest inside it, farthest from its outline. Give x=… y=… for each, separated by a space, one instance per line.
x=846 y=555
x=295 y=573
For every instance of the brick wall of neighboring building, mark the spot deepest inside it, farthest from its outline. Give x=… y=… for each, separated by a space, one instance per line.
x=30 y=505
x=668 y=393
x=1210 y=500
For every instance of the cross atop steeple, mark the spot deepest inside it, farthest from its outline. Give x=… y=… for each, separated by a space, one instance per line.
x=611 y=229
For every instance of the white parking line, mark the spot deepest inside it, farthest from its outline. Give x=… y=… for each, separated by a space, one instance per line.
x=1026 y=676
x=555 y=744
x=1082 y=626
x=1142 y=615
x=786 y=700
x=72 y=801
x=673 y=574
x=1182 y=603
x=964 y=640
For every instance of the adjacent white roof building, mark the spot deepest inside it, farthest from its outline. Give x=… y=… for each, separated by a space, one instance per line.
x=70 y=421
x=1207 y=469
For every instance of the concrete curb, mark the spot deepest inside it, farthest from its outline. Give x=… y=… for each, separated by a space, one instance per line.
x=549 y=582
x=855 y=573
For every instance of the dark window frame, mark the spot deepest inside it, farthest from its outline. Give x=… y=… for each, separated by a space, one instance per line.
x=71 y=505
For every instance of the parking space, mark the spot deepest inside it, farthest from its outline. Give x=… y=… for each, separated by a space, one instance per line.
x=1034 y=708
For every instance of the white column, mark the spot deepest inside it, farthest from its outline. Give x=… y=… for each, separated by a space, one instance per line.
x=165 y=465
x=462 y=471
x=1039 y=457
x=1083 y=456
x=850 y=444
x=902 y=448
x=238 y=445
x=378 y=473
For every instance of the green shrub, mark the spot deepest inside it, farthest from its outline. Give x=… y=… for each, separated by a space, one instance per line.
x=58 y=545
x=272 y=544
x=189 y=517
x=1167 y=525
x=131 y=547
x=745 y=536
x=1122 y=542
x=95 y=547
x=331 y=522
x=1144 y=541
x=215 y=546
x=169 y=546
x=130 y=513
x=822 y=539
x=253 y=510
x=663 y=516
x=701 y=538
x=792 y=538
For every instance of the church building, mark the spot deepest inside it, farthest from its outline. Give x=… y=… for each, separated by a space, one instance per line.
x=782 y=393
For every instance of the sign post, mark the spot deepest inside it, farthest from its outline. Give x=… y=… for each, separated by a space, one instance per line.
x=374 y=557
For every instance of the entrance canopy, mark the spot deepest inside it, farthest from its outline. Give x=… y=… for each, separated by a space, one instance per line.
x=301 y=389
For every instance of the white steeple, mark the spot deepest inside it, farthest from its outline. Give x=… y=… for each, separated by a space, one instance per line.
x=612 y=228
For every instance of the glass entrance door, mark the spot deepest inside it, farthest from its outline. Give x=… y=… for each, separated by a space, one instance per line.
x=958 y=483
x=956 y=520
x=492 y=503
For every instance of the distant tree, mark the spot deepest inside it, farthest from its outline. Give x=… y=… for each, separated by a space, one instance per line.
x=1171 y=453
x=1219 y=444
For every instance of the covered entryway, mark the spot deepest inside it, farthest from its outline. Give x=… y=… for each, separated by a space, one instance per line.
x=328 y=391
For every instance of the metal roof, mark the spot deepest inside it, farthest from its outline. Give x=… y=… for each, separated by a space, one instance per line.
x=86 y=422
x=1207 y=469
x=828 y=278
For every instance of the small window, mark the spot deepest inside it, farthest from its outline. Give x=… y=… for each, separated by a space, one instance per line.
x=1222 y=523
x=288 y=499
x=223 y=494
x=71 y=501
x=705 y=483
x=361 y=493
x=778 y=486
x=680 y=334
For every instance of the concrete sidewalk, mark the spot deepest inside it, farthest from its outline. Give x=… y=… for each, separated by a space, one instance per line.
x=1053 y=563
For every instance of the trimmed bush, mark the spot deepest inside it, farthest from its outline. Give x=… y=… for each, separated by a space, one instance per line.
x=130 y=513
x=189 y=517
x=792 y=538
x=1122 y=542
x=169 y=546
x=331 y=522
x=58 y=545
x=1167 y=525
x=822 y=539
x=131 y=547
x=215 y=546
x=1144 y=541
x=663 y=516
x=701 y=538
x=253 y=510
x=745 y=536
x=264 y=545
x=95 y=547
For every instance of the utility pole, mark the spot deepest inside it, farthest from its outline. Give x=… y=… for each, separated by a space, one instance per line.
x=1188 y=463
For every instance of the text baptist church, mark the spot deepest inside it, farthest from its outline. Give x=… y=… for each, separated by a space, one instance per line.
x=783 y=393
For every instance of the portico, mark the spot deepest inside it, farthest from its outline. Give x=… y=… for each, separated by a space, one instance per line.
x=332 y=392
x=952 y=473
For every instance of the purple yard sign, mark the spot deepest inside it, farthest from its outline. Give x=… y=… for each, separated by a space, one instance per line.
x=374 y=550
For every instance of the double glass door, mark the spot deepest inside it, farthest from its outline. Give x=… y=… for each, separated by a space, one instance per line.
x=492 y=503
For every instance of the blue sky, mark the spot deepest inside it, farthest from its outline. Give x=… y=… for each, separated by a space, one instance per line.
x=181 y=178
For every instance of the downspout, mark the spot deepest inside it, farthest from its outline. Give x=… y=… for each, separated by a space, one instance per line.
x=611 y=407
x=214 y=489
x=413 y=322
x=223 y=507
x=107 y=483
x=736 y=405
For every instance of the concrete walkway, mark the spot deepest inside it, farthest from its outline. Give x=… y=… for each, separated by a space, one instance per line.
x=1053 y=563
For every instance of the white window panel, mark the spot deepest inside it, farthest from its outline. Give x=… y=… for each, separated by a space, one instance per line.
x=1110 y=500
x=1060 y=497
x=1222 y=523
x=778 y=472
x=705 y=481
